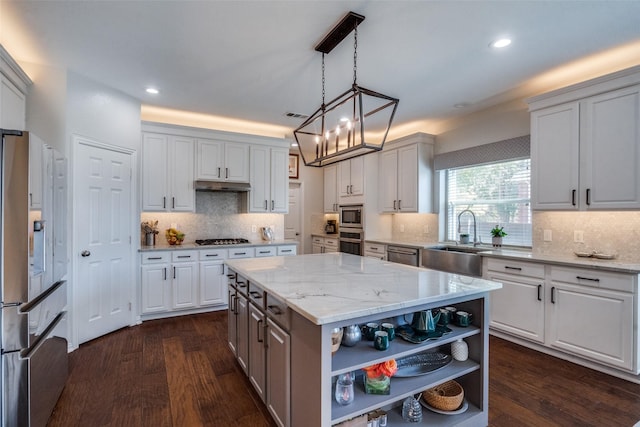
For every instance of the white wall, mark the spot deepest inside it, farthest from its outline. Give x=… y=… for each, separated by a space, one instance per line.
x=312 y=191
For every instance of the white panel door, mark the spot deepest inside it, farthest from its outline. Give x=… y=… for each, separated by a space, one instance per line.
x=103 y=212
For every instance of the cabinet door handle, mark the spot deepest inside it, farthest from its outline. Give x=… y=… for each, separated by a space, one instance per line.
x=265 y=205
x=553 y=295
x=234 y=305
x=539 y=293
x=173 y=203
x=587 y=278
x=273 y=205
x=164 y=202
x=394 y=205
x=351 y=189
x=30 y=199
x=274 y=309
x=588 y=196
x=165 y=273
x=258 y=331
x=512 y=268
x=226 y=173
x=573 y=197
x=399 y=205
x=174 y=272
x=218 y=172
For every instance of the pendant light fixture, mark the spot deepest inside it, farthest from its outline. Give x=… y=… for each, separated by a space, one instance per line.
x=353 y=124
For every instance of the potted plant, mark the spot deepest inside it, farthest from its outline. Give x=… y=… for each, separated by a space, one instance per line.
x=497 y=233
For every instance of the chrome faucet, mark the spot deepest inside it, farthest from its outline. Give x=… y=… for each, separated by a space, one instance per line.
x=475 y=230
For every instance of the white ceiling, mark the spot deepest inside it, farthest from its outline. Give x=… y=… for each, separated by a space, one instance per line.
x=254 y=60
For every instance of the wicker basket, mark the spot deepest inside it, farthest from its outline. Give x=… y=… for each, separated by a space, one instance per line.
x=446 y=396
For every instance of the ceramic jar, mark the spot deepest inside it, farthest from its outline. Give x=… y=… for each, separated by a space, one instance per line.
x=460 y=350
x=351 y=336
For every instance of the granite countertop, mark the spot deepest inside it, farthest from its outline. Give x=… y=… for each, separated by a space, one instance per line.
x=326 y=288
x=333 y=235
x=164 y=246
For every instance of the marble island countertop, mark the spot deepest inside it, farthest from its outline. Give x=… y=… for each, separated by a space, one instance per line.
x=326 y=288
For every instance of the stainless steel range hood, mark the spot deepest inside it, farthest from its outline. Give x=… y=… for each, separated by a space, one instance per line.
x=234 y=187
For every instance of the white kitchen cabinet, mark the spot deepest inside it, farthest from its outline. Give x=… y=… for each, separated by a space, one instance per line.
x=585 y=145
x=322 y=245
x=278 y=374
x=375 y=250
x=257 y=351
x=591 y=314
x=269 y=179
x=351 y=180
x=184 y=284
x=14 y=84
x=167 y=173
x=330 y=188
x=222 y=161
x=519 y=307
x=156 y=285
x=406 y=177
x=213 y=279
x=287 y=250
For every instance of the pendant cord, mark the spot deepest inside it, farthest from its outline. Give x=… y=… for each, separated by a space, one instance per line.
x=355 y=55
x=323 y=80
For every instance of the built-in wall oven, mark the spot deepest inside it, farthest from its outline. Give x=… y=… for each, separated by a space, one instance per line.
x=352 y=240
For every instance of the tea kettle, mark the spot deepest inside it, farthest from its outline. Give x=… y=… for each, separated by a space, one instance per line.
x=424 y=321
x=266 y=233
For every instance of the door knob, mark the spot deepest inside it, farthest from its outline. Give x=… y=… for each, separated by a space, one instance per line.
x=85 y=253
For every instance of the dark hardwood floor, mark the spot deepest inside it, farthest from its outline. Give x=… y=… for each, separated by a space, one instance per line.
x=180 y=372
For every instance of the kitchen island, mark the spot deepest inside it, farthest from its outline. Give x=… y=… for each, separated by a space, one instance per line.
x=305 y=297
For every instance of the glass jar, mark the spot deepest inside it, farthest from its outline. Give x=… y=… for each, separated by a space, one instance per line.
x=344 y=388
x=411 y=410
x=377 y=385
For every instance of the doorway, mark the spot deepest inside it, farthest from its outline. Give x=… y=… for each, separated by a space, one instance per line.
x=293 y=225
x=103 y=213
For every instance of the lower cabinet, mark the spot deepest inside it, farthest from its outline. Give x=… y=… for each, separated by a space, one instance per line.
x=278 y=374
x=559 y=307
x=257 y=351
x=322 y=245
x=375 y=250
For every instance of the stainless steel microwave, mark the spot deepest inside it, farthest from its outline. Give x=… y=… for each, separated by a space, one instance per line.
x=351 y=216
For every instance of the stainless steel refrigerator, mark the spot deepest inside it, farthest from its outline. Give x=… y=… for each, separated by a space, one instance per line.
x=33 y=264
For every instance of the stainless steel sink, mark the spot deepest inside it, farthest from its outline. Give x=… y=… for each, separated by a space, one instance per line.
x=464 y=260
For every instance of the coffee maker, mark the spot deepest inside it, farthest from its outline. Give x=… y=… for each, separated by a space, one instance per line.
x=331 y=227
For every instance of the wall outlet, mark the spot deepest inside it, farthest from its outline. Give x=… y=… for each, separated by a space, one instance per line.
x=547 y=235
x=402 y=228
x=578 y=236
x=254 y=229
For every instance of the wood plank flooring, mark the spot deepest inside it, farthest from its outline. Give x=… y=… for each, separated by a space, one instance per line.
x=179 y=372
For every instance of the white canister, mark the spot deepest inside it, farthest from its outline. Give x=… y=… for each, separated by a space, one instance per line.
x=460 y=350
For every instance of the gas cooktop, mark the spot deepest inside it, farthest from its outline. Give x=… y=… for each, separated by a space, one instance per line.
x=226 y=241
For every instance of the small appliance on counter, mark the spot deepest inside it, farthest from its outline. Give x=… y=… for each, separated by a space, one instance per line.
x=331 y=227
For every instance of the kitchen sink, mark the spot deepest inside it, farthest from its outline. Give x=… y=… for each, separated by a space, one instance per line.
x=465 y=260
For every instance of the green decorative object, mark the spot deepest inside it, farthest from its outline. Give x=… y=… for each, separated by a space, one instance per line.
x=377 y=385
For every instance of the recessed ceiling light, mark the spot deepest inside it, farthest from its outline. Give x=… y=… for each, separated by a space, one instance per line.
x=500 y=43
x=153 y=90
x=293 y=144
x=461 y=105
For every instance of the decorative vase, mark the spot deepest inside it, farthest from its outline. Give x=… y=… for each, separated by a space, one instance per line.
x=344 y=388
x=460 y=350
x=496 y=242
x=352 y=335
x=378 y=385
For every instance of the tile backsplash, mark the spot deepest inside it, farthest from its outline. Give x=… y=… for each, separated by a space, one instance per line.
x=217 y=215
x=608 y=232
x=413 y=227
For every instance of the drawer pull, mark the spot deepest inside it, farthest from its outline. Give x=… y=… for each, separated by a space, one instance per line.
x=285 y=250
x=242 y=284
x=239 y=253
x=553 y=295
x=275 y=309
x=154 y=258
x=263 y=252
x=512 y=268
x=231 y=276
x=539 y=292
x=373 y=248
x=184 y=256
x=255 y=294
x=217 y=255
x=587 y=278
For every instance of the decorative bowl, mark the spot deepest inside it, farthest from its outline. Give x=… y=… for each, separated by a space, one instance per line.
x=174 y=237
x=446 y=396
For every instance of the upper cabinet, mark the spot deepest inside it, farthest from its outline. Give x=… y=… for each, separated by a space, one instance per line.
x=406 y=175
x=167 y=173
x=13 y=88
x=269 y=179
x=585 y=145
x=222 y=161
x=351 y=180
x=331 y=188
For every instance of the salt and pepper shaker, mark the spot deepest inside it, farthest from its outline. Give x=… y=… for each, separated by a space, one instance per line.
x=411 y=410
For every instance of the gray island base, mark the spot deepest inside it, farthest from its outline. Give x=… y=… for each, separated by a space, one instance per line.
x=292 y=304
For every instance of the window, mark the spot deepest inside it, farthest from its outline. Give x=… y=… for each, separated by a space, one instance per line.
x=497 y=193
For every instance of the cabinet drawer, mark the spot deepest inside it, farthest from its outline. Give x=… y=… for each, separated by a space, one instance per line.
x=155 y=257
x=594 y=278
x=266 y=251
x=331 y=242
x=213 y=254
x=375 y=248
x=518 y=268
x=241 y=253
x=318 y=240
x=287 y=250
x=184 y=256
